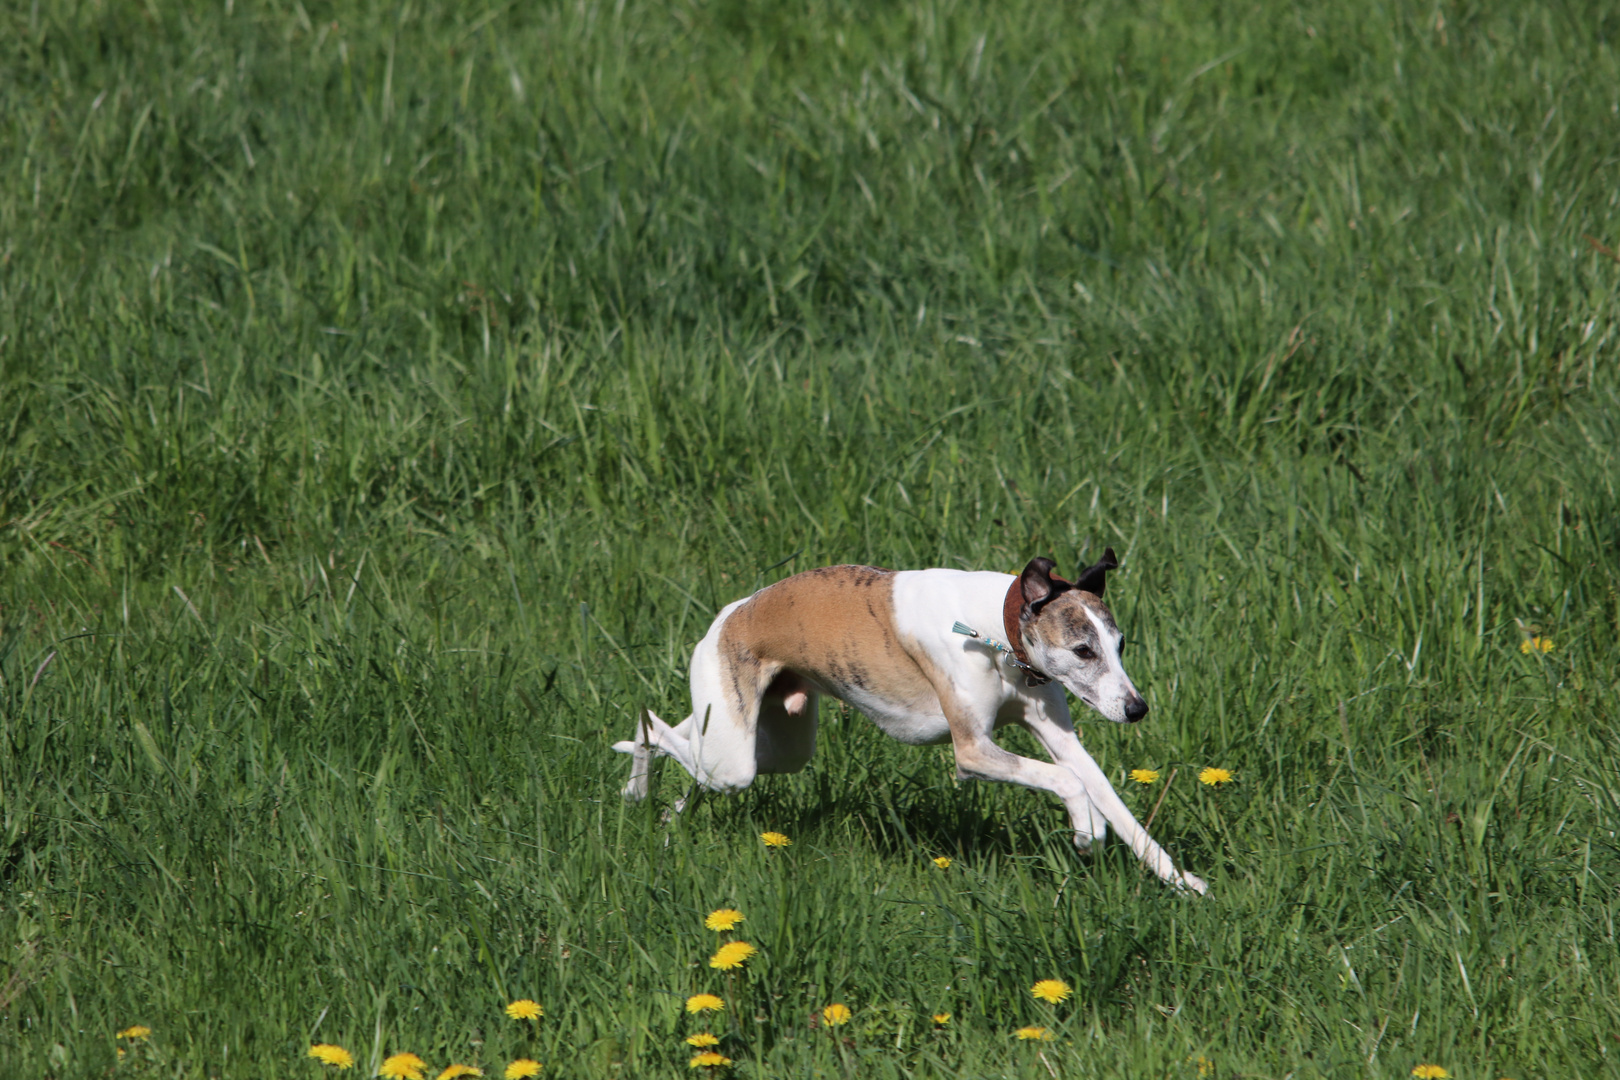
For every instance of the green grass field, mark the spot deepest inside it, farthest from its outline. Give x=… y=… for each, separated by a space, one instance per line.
x=390 y=394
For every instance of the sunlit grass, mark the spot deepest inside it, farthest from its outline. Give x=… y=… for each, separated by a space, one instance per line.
x=390 y=396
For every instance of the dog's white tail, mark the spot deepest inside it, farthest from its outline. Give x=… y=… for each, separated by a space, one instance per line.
x=653 y=736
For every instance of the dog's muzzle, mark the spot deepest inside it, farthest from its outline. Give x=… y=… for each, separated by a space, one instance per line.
x=1135 y=708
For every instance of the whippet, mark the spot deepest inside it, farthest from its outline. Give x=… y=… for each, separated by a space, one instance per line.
x=916 y=651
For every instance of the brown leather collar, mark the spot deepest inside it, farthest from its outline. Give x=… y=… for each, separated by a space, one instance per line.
x=1011 y=607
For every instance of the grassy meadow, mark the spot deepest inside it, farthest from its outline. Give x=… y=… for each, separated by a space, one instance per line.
x=391 y=393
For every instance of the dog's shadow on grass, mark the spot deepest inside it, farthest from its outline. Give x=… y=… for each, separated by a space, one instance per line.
x=902 y=815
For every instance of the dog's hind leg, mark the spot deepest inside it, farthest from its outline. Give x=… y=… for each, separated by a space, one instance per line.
x=693 y=796
x=653 y=737
x=715 y=744
x=727 y=683
x=641 y=750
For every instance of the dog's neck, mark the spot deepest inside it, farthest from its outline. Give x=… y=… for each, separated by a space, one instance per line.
x=1011 y=607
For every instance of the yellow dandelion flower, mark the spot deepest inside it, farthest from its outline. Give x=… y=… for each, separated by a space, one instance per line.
x=138 y=1031
x=1536 y=643
x=835 y=1014
x=775 y=839
x=524 y=1009
x=704 y=1003
x=724 y=919
x=1052 y=990
x=1205 y=1066
x=402 y=1067
x=522 y=1069
x=709 y=1059
x=942 y=861
x=1144 y=776
x=942 y=1019
x=1430 y=1072
x=332 y=1055
x=1214 y=777
x=732 y=955
x=455 y=1072
x=702 y=1039
x=1038 y=1034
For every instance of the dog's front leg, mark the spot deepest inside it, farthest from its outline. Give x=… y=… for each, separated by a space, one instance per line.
x=979 y=758
x=1050 y=722
x=1090 y=826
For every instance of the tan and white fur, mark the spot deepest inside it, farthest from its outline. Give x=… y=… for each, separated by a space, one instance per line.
x=882 y=641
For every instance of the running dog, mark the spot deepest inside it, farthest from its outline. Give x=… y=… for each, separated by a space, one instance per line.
x=915 y=651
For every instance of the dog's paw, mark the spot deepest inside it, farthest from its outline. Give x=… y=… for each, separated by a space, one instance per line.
x=628 y=746
x=1192 y=883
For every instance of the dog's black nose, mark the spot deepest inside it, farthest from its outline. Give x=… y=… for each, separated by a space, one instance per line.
x=1135 y=709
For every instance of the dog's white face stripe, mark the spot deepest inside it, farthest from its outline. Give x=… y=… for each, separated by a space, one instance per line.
x=1115 y=688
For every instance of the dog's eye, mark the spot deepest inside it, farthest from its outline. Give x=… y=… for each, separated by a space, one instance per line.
x=1084 y=652
x=1122 y=648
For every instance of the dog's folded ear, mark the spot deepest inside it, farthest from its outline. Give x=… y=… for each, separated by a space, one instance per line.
x=1038 y=585
x=1094 y=578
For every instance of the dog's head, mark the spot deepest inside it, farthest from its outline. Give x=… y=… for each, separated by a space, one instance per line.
x=1070 y=636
